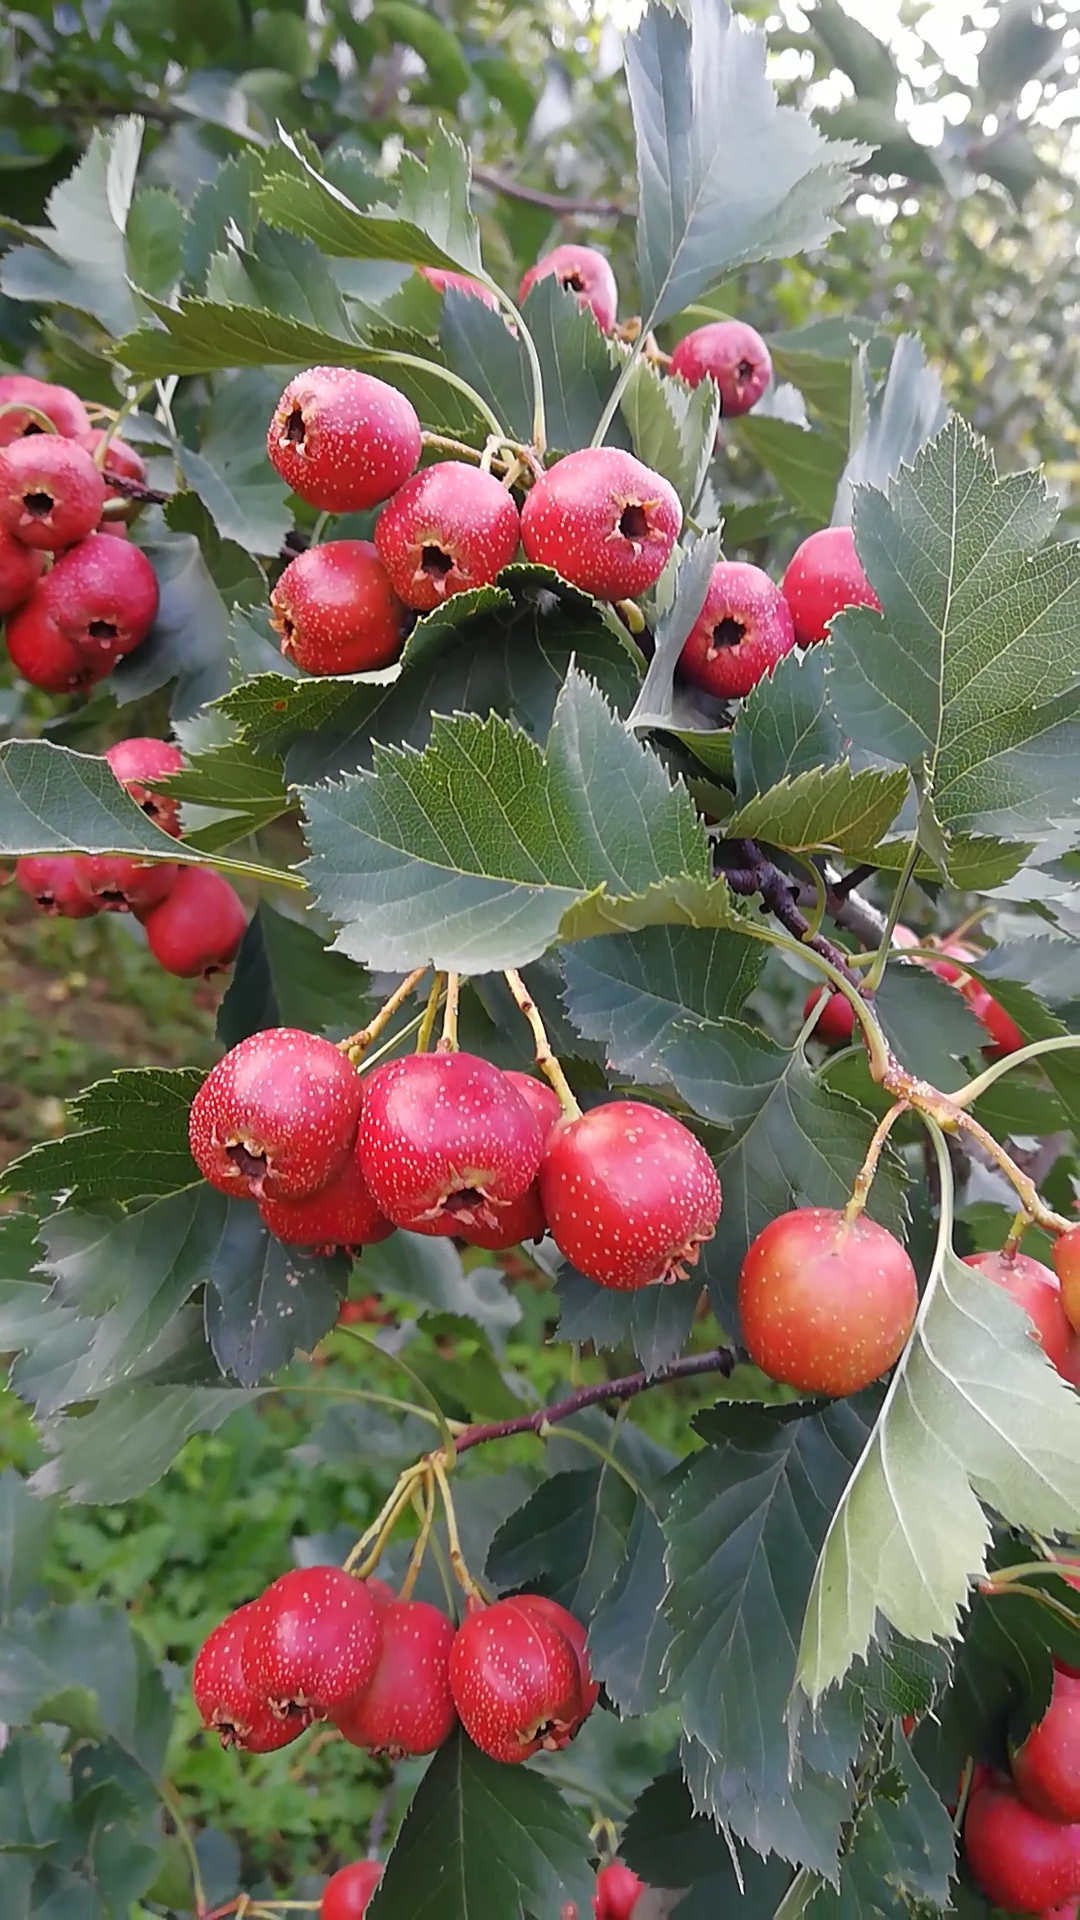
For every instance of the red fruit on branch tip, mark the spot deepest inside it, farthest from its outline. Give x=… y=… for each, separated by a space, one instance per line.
x=524 y=1218
x=629 y=1194
x=447 y=529
x=407 y=1708
x=341 y=1215
x=336 y=611
x=226 y=1702
x=43 y=656
x=101 y=597
x=58 y=404
x=617 y=1892
x=743 y=629
x=59 y=884
x=516 y=1682
x=446 y=1142
x=836 y=1022
x=277 y=1117
x=1046 y=1766
x=603 y=521
x=583 y=271
x=51 y=493
x=1036 y=1289
x=1019 y=1860
x=313 y=1642
x=196 y=930
x=121 y=884
x=824 y=575
x=732 y=354
x=143 y=758
x=347 y=1894
x=343 y=440
x=20 y=568
x=444 y=280
x=826 y=1308
x=1067 y=1268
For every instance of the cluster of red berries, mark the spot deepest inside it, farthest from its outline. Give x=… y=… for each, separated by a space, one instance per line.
x=394 y=1676
x=836 y=1022
x=348 y=1894
x=1022 y=1833
x=68 y=622
x=194 y=919
x=445 y=1143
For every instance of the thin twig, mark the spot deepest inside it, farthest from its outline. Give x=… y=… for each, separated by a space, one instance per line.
x=720 y=1360
x=752 y=872
x=553 y=202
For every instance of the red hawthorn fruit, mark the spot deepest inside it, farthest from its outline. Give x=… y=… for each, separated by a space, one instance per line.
x=836 y=1022
x=523 y=1219
x=603 y=521
x=446 y=1142
x=629 y=1194
x=367 y=1311
x=347 y=1894
x=824 y=575
x=51 y=493
x=120 y=460
x=225 y=1701
x=1019 y=1860
x=824 y=1307
x=20 y=568
x=313 y=1642
x=101 y=596
x=59 y=884
x=336 y=611
x=444 y=280
x=43 y=656
x=1067 y=1267
x=120 y=884
x=732 y=354
x=516 y=1682
x=743 y=629
x=196 y=930
x=342 y=1215
x=1036 y=1289
x=557 y=1616
x=951 y=967
x=449 y=528
x=58 y=404
x=343 y=440
x=276 y=1118
x=1046 y=1767
x=408 y=1707
x=617 y=1892
x=583 y=271
x=143 y=758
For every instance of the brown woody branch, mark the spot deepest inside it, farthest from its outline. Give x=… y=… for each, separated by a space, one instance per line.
x=552 y=202
x=752 y=872
x=719 y=1360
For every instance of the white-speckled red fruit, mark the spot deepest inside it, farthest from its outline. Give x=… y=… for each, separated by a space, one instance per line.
x=447 y=529
x=314 y=1641
x=732 y=354
x=836 y=1021
x=604 y=522
x=225 y=1701
x=743 y=629
x=629 y=1194
x=343 y=440
x=408 y=1706
x=26 y=396
x=444 y=280
x=39 y=651
x=20 y=568
x=824 y=1307
x=51 y=493
x=196 y=930
x=542 y=1608
x=336 y=611
x=102 y=596
x=276 y=1118
x=144 y=758
x=583 y=271
x=618 y=1891
x=523 y=1219
x=121 y=461
x=120 y=884
x=825 y=575
x=1035 y=1288
x=446 y=1142
x=515 y=1681
x=59 y=883
x=344 y=1214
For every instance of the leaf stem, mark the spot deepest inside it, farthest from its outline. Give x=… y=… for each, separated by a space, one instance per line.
x=451 y=379
x=359 y=1559
x=536 y=375
x=170 y=1800
x=967 y=1096
x=612 y=405
x=424 y=1502
x=358 y=1043
x=877 y=966
x=545 y=1058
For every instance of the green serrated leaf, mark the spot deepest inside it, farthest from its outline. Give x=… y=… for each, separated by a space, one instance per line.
x=281 y=274
x=672 y=426
x=670 y=1845
x=307 y=203
x=26 y=1526
x=568 y=1540
x=127 y=1139
x=805 y=465
x=577 y=365
x=203 y=336
x=666 y=701
x=189 y=641
x=967 y=675
x=477 y=344
x=264 y=1299
x=82 y=261
x=785 y=727
x=244 y=789
x=727 y=175
x=472 y=854
x=231 y=473
x=629 y=1634
x=125 y=1442
x=655 y=1320
x=156 y=226
x=284 y=977
x=824 y=808
x=976 y=1408
x=82 y=1667
x=429 y=1272
x=632 y=992
x=929 y=1026
x=890 y=422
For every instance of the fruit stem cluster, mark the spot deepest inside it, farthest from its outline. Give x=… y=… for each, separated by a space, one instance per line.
x=544 y=1056
x=357 y=1044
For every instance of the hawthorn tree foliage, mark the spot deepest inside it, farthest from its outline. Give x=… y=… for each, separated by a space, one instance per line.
x=822 y=1614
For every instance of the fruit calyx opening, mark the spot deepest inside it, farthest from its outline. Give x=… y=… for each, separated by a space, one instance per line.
x=726 y=633
x=102 y=630
x=435 y=562
x=572 y=281
x=295 y=428
x=634 y=521
x=38 y=504
x=253 y=1166
x=745 y=369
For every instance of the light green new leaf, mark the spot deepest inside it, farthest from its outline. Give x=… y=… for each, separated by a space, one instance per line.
x=473 y=854
x=673 y=426
x=976 y=1411
x=727 y=174
x=969 y=674
x=828 y=808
